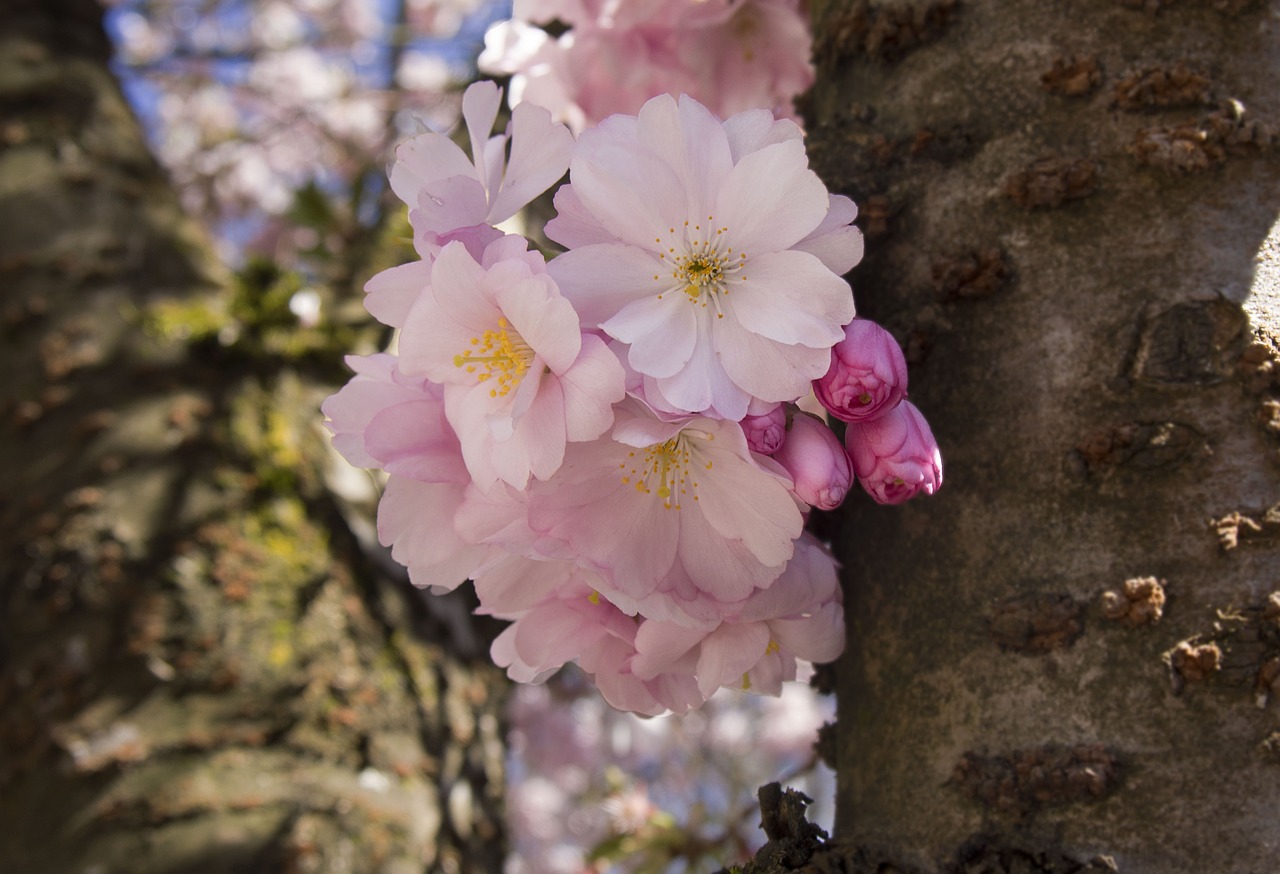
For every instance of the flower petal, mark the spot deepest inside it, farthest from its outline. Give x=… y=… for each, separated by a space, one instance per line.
x=480 y=104
x=390 y=294
x=591 y=387
x=792 y=298
x=424 y=159
x=771 y=199
x=600 y=280
x=540 y=151
x=662 y=331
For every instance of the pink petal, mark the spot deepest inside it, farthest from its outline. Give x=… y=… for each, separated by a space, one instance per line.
x=600 y=280
x=662 y=332
x=660 y=645
x=835 y=242
x=771 y=199
x=424 y=159
x=753 y=129
x=768 y=370
x=633 y=192
x=540 y=151
x=703 y=385
x=414 y=440
x=574 y=226
x=390 y=294
x=792 y=298
x=446 y=205
x=545 y=320
x=816 y=638
x=416 y=520
x=728 y=653
x=690 y=140
x=591 y=387
x=742 y=502
x=479 y=109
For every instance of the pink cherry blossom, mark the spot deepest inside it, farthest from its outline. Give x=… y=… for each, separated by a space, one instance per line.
x=731 y=55
x=702 y=281
x=451 y=196
x=756 y=647
x=566 y=623
x=678 y=518
x=868 y=374
x=383 y=418
x=767 y=432
x=895 y=456
x=817 y=462
x=390 y=295
x=520 y=377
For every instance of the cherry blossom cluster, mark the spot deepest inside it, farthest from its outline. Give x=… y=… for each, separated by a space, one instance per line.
x=608 y=443
x=732 y=55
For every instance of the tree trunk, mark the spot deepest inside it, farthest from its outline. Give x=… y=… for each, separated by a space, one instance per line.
x=200 y=670
x=1068 y=659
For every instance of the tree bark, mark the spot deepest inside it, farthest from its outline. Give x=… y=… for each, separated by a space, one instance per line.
x=200 y=668
x=1067 y=660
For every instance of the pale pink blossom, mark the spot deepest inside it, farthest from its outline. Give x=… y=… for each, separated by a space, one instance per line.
x=766 y=432
x=817 y=462
x=731 y=55
x=702 y=281
x=573 y=621
x=836 y=242
x=390 y=295
x=520 y=377
x=564 y=625
x=895 y=456
x=678 y=518
x=384 y=418
x=868 y=374
x=449 y=193
x=756 y=647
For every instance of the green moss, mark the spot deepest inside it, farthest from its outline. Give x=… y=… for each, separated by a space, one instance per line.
x=269 y=429
x=185 y=320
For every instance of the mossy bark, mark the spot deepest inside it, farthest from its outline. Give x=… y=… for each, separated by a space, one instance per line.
x=1071 y=211
x=200 y=668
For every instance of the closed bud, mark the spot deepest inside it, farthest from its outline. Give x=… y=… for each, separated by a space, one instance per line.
x=895 y=456
x=766 y=433
x=817 y=462
x=868 y=374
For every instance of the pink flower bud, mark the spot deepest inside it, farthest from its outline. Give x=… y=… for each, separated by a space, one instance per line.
x=895 y=456
x=868 y=374
x=816 y=461
x=766 y=434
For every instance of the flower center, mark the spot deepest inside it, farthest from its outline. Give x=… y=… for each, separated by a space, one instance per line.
x=702 y=263
x=500 y=355
x=662 y=469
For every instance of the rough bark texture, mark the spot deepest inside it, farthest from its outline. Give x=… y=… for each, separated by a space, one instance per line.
x=1071 y=216
x=200 y=670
